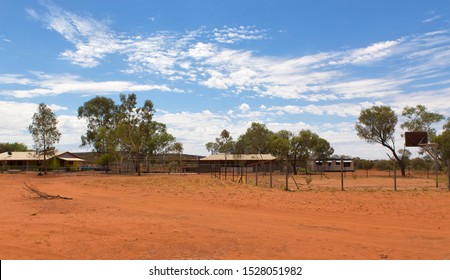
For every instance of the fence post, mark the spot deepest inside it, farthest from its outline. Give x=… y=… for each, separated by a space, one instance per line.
x=342 y=174
x=226 y=166
x=448 y=173
x=437 y=175
x=395 y=176
x=256 y=176
x=287 y=174
x=233 y=172
x=270 y=170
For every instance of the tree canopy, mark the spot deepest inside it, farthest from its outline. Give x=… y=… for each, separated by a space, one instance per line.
x=258 y=139
x=377 y=125
x=99 y=113
x=13 y=147
x=223 y=144
x=45 y=132
x=124 y=129
x=419 y=119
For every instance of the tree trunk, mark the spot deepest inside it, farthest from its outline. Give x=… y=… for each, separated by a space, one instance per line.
x=294 y=166
x=398 y=160
x=402 y=168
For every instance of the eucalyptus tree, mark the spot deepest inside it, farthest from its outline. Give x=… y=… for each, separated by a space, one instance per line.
x=254 y=140
x=223 y=144
x=443 y=141
x=307 y=145
x=419 y=119
x=99 y=113
x=124 y=130
x=45 y=132
x=135 y=126
x=377 y=125
x=280 y=144
x=322 y=150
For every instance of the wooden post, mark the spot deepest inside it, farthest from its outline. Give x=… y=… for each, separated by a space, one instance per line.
x=256 y=176
x=395 y=175
x=246 y=175
x=233 y=173
x=342 y=174
x=226 y=167
x=448 y=173
x=270 y=170
x=437 y=175
x=287 y=175
x=242 y=174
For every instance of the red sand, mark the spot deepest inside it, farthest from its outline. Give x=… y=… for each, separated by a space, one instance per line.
x=197 y=217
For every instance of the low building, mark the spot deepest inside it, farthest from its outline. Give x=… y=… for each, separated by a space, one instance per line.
x=30 y=161
x=234 y=162
x=331 y=165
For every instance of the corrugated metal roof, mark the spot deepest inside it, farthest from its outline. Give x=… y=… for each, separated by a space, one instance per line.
x=262 y=157
x=70 y=159
x=25 y=156
x=19 y=156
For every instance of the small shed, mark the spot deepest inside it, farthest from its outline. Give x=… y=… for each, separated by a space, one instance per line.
x=331 y=165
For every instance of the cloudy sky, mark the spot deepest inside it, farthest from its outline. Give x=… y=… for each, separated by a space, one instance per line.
x=212 y=65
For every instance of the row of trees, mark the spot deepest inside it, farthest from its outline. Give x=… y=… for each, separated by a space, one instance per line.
x=13 y=147
x=258 y=139
x=119 y=131
x=417 y=164
x=116 y=131
x=377 y=125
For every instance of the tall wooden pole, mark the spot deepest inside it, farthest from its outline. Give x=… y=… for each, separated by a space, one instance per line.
x=342 y=174
x=256 y=175
x=287 y=174
x=437 y=175
x=395 y=175
x=270 y=167
x=226 y=166
x=448 y=173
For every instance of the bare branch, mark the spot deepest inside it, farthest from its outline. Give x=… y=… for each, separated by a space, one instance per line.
x=41 y=194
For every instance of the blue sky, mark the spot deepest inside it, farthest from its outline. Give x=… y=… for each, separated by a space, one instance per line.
x=214 y=65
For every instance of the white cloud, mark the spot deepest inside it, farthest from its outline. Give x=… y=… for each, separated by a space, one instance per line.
x=199 y=56
x=202 y=50
x=433 y=18
x=195 y=129
x=92 y=38
x=19 y=116
x=231 y=35
x=71 y=128
x=369 y=54
x=338 y=109
x=244 y=107
x=49 y=85
x=293 y=127
x=14 y=79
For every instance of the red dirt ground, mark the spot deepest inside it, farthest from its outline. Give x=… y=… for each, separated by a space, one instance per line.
x=197 y=217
